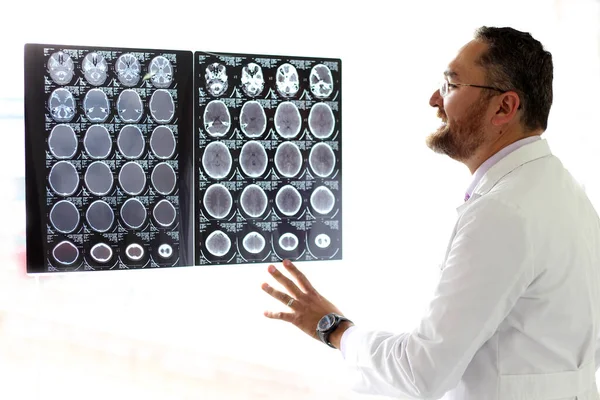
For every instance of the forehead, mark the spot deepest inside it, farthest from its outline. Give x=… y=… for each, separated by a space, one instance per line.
x=464 y=66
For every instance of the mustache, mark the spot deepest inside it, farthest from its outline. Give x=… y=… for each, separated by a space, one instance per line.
x=441 y=115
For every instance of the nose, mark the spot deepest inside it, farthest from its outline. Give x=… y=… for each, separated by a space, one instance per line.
x=436 y=99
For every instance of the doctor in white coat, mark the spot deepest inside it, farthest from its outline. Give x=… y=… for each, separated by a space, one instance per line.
x=516 y=312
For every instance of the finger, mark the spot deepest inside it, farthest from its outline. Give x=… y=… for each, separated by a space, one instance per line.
x=279 y=315
x=285 y=281
x=299 y=276
x=283 y=297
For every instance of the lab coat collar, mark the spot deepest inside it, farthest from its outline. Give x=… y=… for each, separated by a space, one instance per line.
x=506 y=165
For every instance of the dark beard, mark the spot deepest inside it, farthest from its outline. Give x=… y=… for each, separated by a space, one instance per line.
x=461 y=139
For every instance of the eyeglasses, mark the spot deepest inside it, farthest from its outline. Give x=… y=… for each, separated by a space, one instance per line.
x=445 y=87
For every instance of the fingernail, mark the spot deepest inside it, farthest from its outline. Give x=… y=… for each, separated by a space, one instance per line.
x=271 y=269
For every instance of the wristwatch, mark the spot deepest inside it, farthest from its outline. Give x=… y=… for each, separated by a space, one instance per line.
x=327 y=325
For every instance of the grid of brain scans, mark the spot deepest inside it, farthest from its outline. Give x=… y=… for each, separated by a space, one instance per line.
x=268 y=158
x=104 y=133
x=149 y=158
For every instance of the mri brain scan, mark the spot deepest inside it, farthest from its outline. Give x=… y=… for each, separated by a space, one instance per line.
x=216 y=79
x=61 y=67
x=95 y=68
x=253 y=81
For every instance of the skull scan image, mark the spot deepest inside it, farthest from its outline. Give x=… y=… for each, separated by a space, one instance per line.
x=94 y=68
x=288 y=200
x=253 y=81
x=322 y=240
x=98 y=178
x=162 y=106
x=96 y=106
x=62 y=141
x=100 y=216
x=321 y=81
x=101 y=253
x=162 y=142
x=253 y=120
x=322 y=200
x=217 y=160
x=134 y=252
x=131 y=142
x=288 y=159
x=64 y=216
x=63 y=178
x=165 y=250
x=128 y=69
x=288 y=120
x=254 y=242
x=288 y=80
x=61 y=105
x=215 y=77
x=217 y=119
x=253 y=159
x=164 y=213
x=60 y=67
x=163 y=178
x=321 y=121
x=133 y=213
x=322 y=159
x=97 y=142
x=130 y=106
x=218 y=201
x=288 y=241
x=254 y=200
x=218 y=243
x=132 y=178
x=65 y=252
x=161 y=72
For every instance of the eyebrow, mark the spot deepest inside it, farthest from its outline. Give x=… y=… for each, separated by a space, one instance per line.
x=450 y=74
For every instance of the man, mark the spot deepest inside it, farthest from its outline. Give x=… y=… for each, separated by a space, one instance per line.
x=516 y=312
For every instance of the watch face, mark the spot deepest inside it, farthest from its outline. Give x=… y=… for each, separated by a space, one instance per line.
x=326 y=322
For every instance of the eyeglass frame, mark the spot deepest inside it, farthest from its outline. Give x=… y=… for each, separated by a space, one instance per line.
x=446 y=84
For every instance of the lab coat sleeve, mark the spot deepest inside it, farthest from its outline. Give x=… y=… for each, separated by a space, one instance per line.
x=488 y=267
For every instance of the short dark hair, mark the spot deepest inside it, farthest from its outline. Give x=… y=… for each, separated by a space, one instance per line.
x=516 y=61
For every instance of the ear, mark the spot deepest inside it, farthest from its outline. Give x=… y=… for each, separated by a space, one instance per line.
x=507 y=108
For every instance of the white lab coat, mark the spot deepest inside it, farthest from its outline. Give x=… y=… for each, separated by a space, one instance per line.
x=516 y=313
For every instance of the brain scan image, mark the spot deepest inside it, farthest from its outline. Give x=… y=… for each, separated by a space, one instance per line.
x=322 y=240
x=161 y=72
x=131 y=142
x=218 y=201
x=217 y=160
x=100 y=216
x=98 y=178
x=101 y=252
x=97 y=142
x=254 y=242
x=65 y=252
x=63 y=178
x=165 y=250
x=64 y=216
x=61 y=105
x=96 y=106
x=133 y=213
x=61 y=68
x=253 y=159
x=322 y=160
x=130 y=106
x=288 y=80
x=162 y=106
x=217 y=119
x=253 y=82
x=321 y=81
x=218 y=243
x=215 y=77
x=162 y=142
x=128 y=69
x=132 y=178
x=163 y=178
x=94 y=68
x=288 y=120
x=288 y=200
x=288 y=241
x=254 y=200
x=321 y=121
x=134 y=252
x=322 y=200
x=62 y=141
x=164 y=213
x=253 y=120
x=288 y=159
